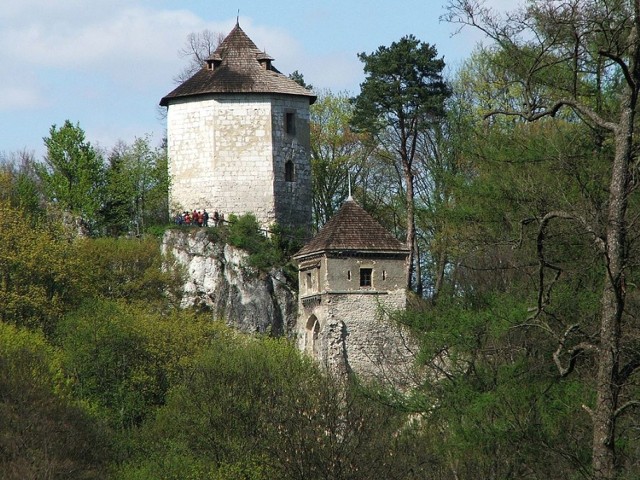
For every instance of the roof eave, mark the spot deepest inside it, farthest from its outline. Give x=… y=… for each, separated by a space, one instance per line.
x=164 y=101
x=352 y=252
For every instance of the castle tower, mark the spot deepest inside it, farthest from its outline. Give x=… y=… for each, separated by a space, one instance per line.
x=351 y=275
x=238 y=138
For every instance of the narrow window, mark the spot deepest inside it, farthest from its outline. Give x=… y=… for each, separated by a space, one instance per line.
x=384 y=274
x=312 y=334
x=289 y=171
x=348 y=274
x=309 y=282
x=365 y=277
x=290 y=123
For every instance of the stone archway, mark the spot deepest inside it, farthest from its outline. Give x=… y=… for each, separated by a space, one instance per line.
x=312 y=332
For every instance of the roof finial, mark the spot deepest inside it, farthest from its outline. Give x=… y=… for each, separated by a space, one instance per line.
x=238 y=19
x=350 y=197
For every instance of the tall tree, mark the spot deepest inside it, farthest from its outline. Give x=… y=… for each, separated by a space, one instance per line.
x=136 y=194
x=73 y=172
x=402 y=95
x=20 y=184
x=336 y=151
x=197 y=48
x=563 y=59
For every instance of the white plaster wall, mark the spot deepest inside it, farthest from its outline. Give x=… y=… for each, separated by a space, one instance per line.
x=387 y=273
x=220 y=155
x=374 y=346
x=228 y=153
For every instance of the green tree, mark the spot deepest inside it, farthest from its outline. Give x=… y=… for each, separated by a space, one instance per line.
x=20 y=184
x=73 y=173
x=40 y=278
x=122 y=358
x=298 y=77
x=336 y=152
x=42 y=433
x=578 y=62
x=402 y=95
x=136 y=193
x=129 y=269
x=240 y=414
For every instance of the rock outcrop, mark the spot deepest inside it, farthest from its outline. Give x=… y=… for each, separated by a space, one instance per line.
x=217 y=278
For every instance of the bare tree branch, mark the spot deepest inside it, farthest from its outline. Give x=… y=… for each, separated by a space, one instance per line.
x=623 y=408
x=553 y=110
x=573 y=353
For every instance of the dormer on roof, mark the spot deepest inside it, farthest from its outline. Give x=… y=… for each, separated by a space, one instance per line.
x=265 y=60
x=213 y=61
x=238 y=66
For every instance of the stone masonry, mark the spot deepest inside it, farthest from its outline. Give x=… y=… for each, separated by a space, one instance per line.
x=228 y=154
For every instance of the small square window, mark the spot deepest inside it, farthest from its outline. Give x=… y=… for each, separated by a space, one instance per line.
x=365 y=277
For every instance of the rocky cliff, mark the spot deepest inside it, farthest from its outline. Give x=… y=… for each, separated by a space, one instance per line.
x=217 y=278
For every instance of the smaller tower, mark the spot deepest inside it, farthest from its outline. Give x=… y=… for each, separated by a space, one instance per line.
x=351 y=274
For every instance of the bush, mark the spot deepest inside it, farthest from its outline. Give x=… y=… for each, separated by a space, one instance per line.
x=264 y=252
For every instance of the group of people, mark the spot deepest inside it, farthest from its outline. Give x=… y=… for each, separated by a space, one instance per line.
x=198 y=218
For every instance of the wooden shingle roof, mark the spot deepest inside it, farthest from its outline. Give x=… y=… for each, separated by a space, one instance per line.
x=238 y=66
x=352 y=229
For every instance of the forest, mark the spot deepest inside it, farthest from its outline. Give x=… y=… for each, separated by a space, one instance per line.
x=513 y=181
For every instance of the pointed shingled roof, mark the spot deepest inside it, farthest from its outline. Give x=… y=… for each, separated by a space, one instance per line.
x=352 y=228
x=238 y=66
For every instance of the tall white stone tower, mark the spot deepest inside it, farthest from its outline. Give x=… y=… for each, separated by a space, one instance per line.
x=238 y=138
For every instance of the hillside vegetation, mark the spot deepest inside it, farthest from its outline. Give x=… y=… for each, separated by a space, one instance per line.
x=515 y=184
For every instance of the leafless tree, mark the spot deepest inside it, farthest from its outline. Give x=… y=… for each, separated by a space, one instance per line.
x=591 y=42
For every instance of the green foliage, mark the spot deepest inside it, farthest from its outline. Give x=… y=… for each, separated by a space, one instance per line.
x=255 y=408
x=42 y=434
x=297 y=77
x=336 y=151
x=19 y=184
x=129 y=269
x=73 y=172
x=122 y=358
x=265 y=252
x=493 y=397
x=136 y=196
x=403 y=84
x=40 y=279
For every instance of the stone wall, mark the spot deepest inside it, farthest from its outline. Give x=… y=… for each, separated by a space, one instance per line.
x=293 y=199
x=355 y=331
x=228 y=153
x=356 y=334
x=216 y=278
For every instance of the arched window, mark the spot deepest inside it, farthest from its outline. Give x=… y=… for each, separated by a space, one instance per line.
x=289 y=171
x=311 y=336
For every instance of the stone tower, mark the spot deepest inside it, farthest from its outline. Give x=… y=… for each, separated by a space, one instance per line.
x=351 y=275
x=238 y=138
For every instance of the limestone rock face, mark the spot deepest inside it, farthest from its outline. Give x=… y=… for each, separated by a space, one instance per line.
x=217 y=278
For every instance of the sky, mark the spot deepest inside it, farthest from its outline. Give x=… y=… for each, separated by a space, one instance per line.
x=105 y=64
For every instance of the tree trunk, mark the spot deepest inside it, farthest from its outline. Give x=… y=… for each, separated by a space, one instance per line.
x=411 y=224
x=613 y=300
x=440 y=268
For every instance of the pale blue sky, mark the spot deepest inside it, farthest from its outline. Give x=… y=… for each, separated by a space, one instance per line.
x=107 y=63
